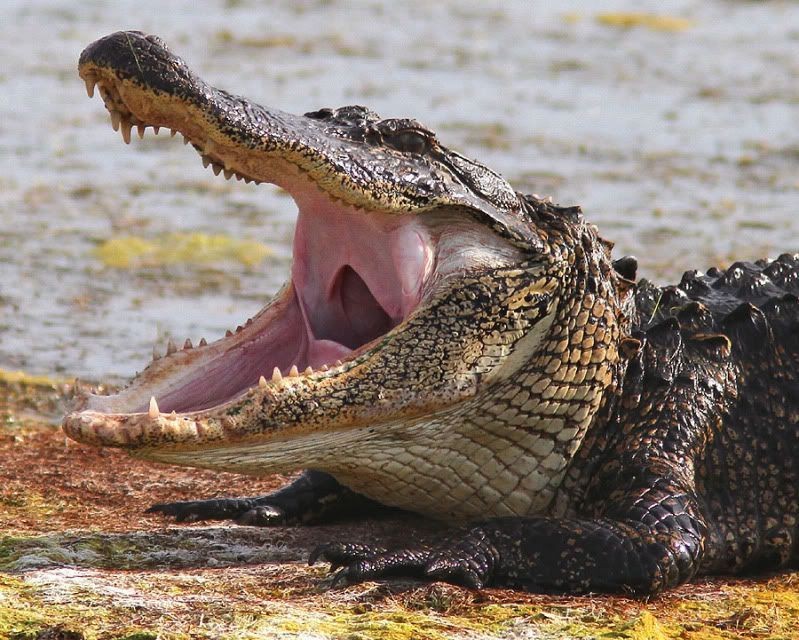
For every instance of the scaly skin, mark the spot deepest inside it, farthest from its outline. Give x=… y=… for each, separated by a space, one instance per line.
x=605 y=436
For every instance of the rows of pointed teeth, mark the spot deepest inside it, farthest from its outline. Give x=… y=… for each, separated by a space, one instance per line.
x=171 y=347
x=154 y=412
x=218 y=167
x=124 y=123
x=91 y=83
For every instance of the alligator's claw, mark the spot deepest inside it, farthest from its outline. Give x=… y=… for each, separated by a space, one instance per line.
x=313 y=497
x=268 y=515
x=195 y=510
x=339 y=554
x=465 y=561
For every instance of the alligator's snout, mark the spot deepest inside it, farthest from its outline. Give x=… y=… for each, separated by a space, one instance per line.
x=135 y=58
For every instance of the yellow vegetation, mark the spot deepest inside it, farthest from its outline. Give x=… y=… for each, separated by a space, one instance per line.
x=26 y=379
x=127 y=252
x=650 y=21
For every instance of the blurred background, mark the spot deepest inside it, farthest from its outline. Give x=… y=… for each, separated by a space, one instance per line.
x=674 y=125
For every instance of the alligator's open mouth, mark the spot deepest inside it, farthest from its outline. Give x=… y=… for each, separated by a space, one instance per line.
x=389 y=221
x=355 y=275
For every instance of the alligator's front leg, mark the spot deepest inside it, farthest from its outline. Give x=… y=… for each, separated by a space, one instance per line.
x=313 y=498
x=654 y=542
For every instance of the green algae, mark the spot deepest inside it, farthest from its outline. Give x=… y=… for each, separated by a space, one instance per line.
x=242 y=583
x=127 y=252
x=24 y=614
x=32 y=504
x=240 y=605
x=26 y=379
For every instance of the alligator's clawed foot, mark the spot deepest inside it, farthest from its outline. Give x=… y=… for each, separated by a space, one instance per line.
x=268 y=515
x=314 y=497
x=242 y=510
x=465 y=561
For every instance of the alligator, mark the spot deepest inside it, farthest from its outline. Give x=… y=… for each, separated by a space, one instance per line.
x=451 y=347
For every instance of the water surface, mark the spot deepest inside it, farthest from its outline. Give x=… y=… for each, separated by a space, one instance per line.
x=680 y=144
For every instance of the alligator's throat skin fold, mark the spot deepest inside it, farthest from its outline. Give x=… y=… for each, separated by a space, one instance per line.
x=447 y=345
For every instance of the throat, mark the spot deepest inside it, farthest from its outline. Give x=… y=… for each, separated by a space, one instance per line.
x=353 y=316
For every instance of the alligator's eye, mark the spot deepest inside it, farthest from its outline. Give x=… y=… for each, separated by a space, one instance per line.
x=322 y=114
x=409 y=141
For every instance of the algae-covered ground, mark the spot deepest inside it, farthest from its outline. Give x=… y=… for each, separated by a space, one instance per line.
x=80 y=560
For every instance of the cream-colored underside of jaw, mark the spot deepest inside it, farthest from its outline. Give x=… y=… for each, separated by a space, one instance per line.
x=449 y=467
x=478 y=460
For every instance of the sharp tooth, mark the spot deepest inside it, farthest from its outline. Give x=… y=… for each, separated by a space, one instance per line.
x=228 y=333
x=262 y=382
x=248 y=323
x=156 y=355
x=125 y=126
x=338 y=363
x=247 y=180
x=188 y=344
x=90 y=82
x=203 y=342
x=185 y=140
x=156 y=129
x=239 y=329
x=293 y=372
x=276 y=375
x=153 y=411
x=116 y=117
x=216 y=168
x=174 y=414
x=228 y=174
x=325 y=367
x=172 y=133
x=206 y=161
x=170 y=347
x=141 y=128
x=308 y=371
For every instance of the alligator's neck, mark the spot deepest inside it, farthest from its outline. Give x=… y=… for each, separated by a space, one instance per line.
x=506 y=452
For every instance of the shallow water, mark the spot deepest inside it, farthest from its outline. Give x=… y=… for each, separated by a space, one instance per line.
x=682 y=145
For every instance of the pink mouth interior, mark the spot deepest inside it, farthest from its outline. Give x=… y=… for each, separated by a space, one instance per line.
x=355 y=276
